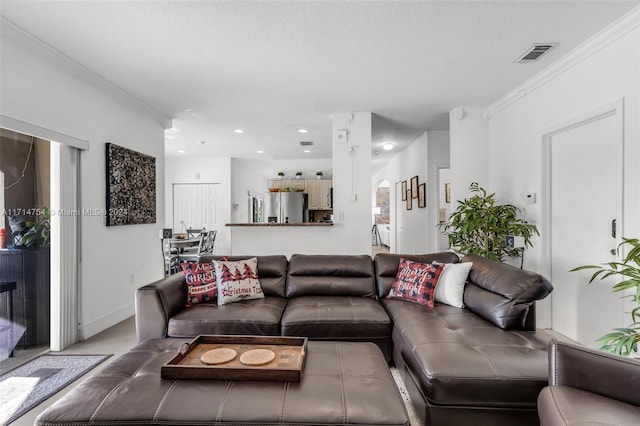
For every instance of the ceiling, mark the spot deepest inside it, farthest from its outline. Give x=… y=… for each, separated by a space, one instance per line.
x=273 y=67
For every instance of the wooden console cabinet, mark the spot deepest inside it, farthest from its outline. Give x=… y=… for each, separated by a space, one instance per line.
x=30 y=269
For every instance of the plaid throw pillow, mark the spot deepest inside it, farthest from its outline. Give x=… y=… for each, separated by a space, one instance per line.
x=238 y=281
x=416 y=282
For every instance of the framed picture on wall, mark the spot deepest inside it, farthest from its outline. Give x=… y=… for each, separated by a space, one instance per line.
x=414 y=187
x=447 y=192
x=422 y=202
x=409 y=199
x=403 y=190
x=131 y=186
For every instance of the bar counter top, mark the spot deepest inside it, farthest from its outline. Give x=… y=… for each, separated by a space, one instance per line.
x=272 y=224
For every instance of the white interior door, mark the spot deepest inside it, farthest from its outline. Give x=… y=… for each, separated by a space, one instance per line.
x=195 y=205
x=585 y=165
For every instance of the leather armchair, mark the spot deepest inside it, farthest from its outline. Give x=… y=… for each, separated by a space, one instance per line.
x=589 y=387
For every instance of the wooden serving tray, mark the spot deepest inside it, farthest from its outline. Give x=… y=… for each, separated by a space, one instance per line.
x=286 y=367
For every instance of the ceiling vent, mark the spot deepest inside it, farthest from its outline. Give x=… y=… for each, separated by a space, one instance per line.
x=306 y=143
x=534 y=52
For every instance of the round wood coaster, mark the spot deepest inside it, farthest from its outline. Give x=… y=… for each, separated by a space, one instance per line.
x=257 y=357
x=218 y=356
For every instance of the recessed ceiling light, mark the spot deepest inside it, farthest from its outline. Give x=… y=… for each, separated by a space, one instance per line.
x=303 y=130
x=239 y=131
x=388 y=146
x=307 y=150
x=180 y=151
x=260 y=151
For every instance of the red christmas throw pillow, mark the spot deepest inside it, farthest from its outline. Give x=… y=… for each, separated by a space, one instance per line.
x=201 y=282
x=416 y=282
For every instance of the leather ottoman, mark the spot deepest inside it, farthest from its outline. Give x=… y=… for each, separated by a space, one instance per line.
x=342 y=383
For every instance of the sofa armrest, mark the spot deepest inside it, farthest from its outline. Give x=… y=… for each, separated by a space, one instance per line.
x=594 y=371
x=156 y=303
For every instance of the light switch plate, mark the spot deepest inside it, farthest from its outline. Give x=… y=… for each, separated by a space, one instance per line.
x=515 y=242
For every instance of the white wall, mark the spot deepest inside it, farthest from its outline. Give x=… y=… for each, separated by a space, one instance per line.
x=437 y=158
x=115 y=260
x=352 y=176
x=254 y=175
x=351 y=231
x=469 y=155
x=603 y=70
x=409 y=228
x=516 y=130
x=202 y=170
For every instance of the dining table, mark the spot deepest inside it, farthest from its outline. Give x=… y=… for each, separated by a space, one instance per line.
x=181 y=243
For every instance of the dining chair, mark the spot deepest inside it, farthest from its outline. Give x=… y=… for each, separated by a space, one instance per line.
x=207 y=241
x=194 y=232
x=170 y=256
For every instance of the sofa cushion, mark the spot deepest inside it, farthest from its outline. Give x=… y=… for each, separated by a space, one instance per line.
x=502 y=294
x=330 y=275
x=272 y=271
x=259 y=316
x=336 y=318
x=458 y=358
x=386 y=267
x=416 y=282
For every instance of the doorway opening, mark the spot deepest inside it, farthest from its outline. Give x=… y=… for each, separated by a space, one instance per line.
x=381 y=219
x=444 y=205
x=25 y=272
x=64 y=266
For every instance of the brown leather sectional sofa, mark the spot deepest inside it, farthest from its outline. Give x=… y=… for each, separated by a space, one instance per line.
x=589 y=387
x=484 y=364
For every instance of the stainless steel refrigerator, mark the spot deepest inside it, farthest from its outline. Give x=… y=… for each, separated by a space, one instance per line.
x=285 y=207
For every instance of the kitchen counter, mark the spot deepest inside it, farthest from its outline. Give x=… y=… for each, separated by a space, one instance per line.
x=272 y=224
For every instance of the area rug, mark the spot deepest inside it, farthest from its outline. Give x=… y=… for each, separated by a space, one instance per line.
x=413 y=417
x=26 y=386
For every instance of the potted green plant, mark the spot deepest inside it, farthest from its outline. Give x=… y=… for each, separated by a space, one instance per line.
x=480 y=225
x=34 y=233
x=298 y=175
x=280 y=174
x=622 y=341
x=319 y=175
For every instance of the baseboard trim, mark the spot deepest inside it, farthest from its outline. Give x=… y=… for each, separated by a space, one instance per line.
x=94 y=327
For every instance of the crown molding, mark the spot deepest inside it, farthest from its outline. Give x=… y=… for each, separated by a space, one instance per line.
x=33 y=44
x=611 y=33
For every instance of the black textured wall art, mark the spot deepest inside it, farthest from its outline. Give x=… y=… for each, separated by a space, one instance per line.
x=131 y=187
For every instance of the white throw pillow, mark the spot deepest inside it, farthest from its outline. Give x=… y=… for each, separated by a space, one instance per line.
x=450 y=288
x=238 y=280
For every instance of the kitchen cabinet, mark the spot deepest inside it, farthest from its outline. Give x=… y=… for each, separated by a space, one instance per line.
x=295 y=185
x=319 y=194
